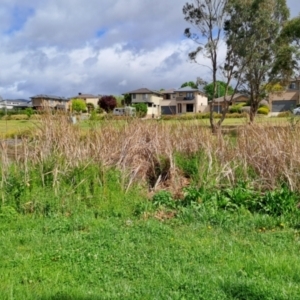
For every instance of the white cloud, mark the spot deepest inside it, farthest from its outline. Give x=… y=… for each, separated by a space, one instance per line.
x=63 y=47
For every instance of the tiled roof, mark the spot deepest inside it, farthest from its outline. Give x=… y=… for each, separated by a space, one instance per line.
x=187 y=89
x=85 y=96
x=49 y=97
x=143 y=91
x=228 y=98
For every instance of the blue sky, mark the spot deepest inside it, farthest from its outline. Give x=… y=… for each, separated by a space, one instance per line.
x=63 y=47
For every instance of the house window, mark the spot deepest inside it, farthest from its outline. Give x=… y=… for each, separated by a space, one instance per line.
x=292 y=86
x=145 y=96
x=189 y=96
x=190 y=108
x=133 y=96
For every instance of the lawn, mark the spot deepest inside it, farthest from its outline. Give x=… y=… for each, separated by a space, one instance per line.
x=84 y=257
x=15 y=127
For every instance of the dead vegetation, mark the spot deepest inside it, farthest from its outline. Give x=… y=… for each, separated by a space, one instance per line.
x=145 y=152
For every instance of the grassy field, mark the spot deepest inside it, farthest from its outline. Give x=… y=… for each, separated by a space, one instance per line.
x=83 y=257
x=17 y=127
x=150 y=210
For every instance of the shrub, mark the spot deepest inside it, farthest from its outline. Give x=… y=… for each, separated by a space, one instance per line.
x=78 y=105
x=141 y=109
x=29 y=112
x=237 y=107
x=263 y=110
x=108 y=103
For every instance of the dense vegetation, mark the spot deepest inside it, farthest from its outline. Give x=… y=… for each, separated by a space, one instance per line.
x=150 y=209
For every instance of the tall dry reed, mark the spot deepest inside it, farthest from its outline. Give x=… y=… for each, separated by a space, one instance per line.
x=145 y=150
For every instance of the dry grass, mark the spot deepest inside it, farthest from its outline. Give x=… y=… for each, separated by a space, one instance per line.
x=144 y=151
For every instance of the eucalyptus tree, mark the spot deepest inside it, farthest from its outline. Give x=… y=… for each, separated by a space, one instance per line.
x=208 y=18
x=255 y=27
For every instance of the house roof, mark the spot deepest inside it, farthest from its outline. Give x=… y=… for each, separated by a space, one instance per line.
x=169 y=91
x=143 y=91
x=81 y=95
x=49 y=97
x=17 y=100
x=228 y=98
x=187 y=89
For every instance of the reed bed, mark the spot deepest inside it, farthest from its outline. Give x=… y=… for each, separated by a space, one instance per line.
x=145 y=152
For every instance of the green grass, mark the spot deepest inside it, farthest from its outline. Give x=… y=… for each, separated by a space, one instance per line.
x=83 y=257
x=15 y=127
x=90 y=239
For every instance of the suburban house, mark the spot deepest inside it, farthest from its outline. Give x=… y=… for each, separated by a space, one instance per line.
x=40 y=102
x=153 y=100
x=219 y=103
x=188 y=100
x=287 y=99
x=88 y=98
x=170 y=102
x=14 y=103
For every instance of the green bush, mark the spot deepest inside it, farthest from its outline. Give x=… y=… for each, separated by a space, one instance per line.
x=237 y=107
x=264 y=110
x=78 y=105
x=141 y=109
x=29 y=112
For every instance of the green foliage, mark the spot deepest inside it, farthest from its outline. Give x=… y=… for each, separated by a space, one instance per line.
x=220 y=90
x=78 y=105
x=141 y=109
x=163 y=198
x=263 y=110
x=93 y=116
x=249 y=25
x=278 y=202
x=29 y=112
x=191 y=84
x=237 y=107
x=127 y=99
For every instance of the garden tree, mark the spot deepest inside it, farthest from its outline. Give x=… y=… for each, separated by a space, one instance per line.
x=220 y=91
x=291 y=30
x=127 y=99
x=254 y=27
x=208 y=18
x=191 y=84
x=108 y=103
x=291 y=33
x=78 y=105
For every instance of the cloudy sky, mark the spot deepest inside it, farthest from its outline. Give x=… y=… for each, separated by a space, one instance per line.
x=62 y=47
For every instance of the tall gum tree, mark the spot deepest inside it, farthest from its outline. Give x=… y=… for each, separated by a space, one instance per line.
x=254 y=27
x=208 y=18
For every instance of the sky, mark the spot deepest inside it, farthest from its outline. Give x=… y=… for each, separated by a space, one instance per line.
x=100 y=47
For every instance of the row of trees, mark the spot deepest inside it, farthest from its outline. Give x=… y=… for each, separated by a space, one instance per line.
x=262 y=46
x=107 y=103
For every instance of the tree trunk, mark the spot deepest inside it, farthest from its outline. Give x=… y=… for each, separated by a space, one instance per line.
x=253 y=110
